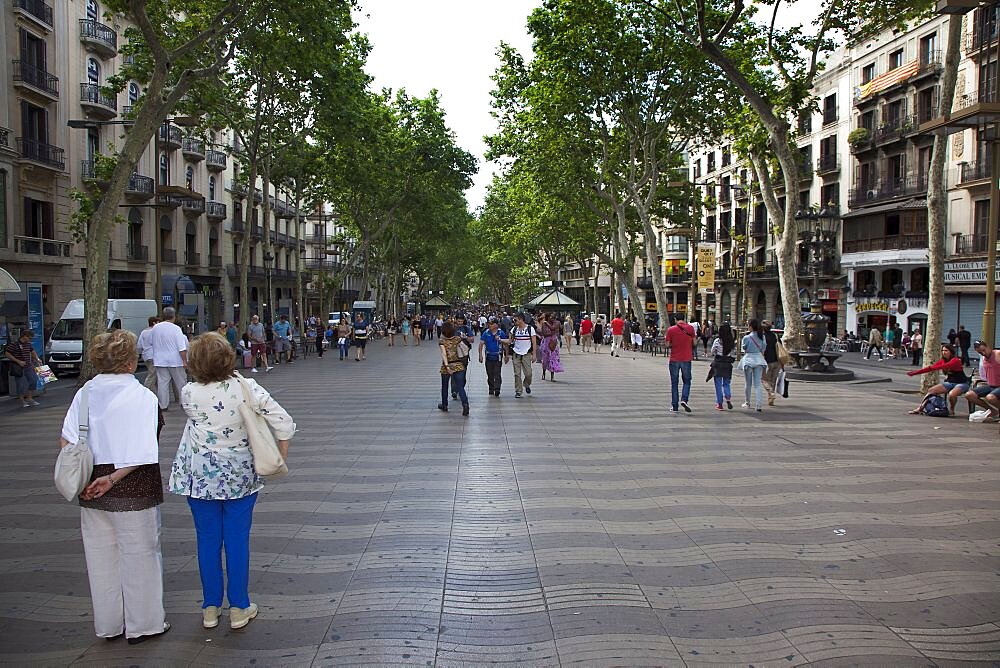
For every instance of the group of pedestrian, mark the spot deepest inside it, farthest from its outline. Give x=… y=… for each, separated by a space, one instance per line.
x=897 y=343
x=213 y=468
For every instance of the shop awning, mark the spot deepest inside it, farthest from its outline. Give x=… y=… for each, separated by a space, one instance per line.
x=7 y=282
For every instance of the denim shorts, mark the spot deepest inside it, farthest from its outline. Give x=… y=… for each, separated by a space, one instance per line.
x=984 y=390
x=962 y=387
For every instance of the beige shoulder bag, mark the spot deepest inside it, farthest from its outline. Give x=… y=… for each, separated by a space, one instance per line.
x=267 y=460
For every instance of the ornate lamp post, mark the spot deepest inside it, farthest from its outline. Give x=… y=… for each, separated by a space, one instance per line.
x=819 y=233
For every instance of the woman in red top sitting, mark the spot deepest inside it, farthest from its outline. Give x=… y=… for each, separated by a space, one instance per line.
x=955 y=384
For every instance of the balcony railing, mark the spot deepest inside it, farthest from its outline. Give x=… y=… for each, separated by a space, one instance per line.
x=88 y=170
x=830 y=116
x=5 y=134
x=900 y=242
x=980 y=37
x=215 y=159
x=41 y=246
x=971 y=244
x=37 y=9
x=317 y=264
x=92 y=95
x=137 y=253
x=46 y=154
x=644 y=283
x=725 y=195
x=887 y=189
x=193 y=148
x=193 y=207
x=99 y=35
x=895 y=129
x=827 y=163
x=215 y=210
x=215 y=261
x=758 y=229
x=36 y=77
x=974 y=171
x=929 y=61
x=139 y=185
x=168 y=255
x=237 y=226
x=192 y=259
x=238 y=189
x=170 y=136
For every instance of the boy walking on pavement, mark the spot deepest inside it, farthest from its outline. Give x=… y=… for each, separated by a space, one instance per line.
x=492 y=341
x=680 y=337
x=524 y=342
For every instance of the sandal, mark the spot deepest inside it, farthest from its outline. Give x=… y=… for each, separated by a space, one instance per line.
x=916 y=411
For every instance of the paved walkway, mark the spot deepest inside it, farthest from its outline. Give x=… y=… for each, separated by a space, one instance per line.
x=581 y=524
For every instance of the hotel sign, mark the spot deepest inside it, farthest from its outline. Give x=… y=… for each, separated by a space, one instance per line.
x=968 y=272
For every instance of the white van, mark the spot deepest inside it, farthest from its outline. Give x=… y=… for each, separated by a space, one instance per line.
x=64 y=351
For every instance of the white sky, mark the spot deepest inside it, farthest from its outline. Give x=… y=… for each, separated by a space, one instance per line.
x=449 y=45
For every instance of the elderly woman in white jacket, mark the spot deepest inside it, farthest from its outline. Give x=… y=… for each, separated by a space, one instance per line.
x=214 y=469
x=119 y=509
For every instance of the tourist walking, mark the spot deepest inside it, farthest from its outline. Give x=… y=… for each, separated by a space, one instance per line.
x=586 y=333
x=549 y=328
x=770 y=376
x=569 y=330
x=453 y=368
x=361 y=330
x=464 y=331
x=492 y=342
x=404 y=329
x=119 y=513
x=282 y=339
x=964 y=343
x=524 y=343
x=391 y=330
x=681 y=339
x=722 y=366
x=875 y=344
x=344 y=333
x=144 y=346
x=169 y=356
x=598 y=336
x=636 y=336
x=258 y=343
x=917 y=347
x=617 y=330
x=754 y=364
x=438 y=325
x=214 y=469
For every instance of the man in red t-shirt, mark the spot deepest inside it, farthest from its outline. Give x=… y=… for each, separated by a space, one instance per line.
x=617 y=329
x=586 y=332
x=680 y=338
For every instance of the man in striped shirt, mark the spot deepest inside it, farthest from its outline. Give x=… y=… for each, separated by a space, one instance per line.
x=524 y=343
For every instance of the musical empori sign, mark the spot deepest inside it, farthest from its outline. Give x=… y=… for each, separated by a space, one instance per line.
x=706 y=266
x=968 y=272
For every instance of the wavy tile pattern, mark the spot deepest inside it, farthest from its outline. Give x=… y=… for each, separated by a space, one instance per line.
x=580 y=526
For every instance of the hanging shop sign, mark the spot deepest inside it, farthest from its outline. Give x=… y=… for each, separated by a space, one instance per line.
x=872 y=307
x=706 y=266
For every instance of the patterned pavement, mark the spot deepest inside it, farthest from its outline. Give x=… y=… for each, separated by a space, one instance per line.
x=581 y=524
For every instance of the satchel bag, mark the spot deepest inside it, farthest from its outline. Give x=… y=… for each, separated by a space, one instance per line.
x=462 y=351
x=267 y=459
x=75 y=463
x=783 y=355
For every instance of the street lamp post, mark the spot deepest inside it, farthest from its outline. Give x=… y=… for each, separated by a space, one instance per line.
x=820 y=236
x=268 y=261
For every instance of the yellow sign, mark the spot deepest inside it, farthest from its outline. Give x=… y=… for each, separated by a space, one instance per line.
x=872 y=307
x=706 y=266
x=650 y=306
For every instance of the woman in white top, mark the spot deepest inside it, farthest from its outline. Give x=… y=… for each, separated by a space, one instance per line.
x=214 y=469
x=119 y=513
x=753 y=364
x=569 y=329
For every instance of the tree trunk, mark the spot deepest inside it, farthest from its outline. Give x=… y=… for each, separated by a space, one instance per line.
x=247 y=242
x=299 y=296
x=937 y=211
x=268 y=248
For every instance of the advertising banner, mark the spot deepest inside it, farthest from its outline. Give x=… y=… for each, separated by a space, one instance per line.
x=706 y=266
x=35 y=317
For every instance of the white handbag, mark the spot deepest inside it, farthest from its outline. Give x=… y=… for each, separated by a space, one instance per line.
x=267 y=459
x=75 y=463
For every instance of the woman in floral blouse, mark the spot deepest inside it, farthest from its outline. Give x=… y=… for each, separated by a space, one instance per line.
x=214 y=469
x=452 y=367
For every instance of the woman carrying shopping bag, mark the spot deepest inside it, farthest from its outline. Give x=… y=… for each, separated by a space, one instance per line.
x=119 y=509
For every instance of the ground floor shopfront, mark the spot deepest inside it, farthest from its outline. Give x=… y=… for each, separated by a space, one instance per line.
x=888 y=288
x=965 y=296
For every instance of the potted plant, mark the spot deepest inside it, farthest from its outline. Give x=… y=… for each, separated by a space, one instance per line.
x=858 y=137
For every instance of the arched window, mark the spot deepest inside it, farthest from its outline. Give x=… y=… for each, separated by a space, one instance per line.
x=93 y=10
x=189 y=177
x=93 y=71
x=211 y=188
x=164 y=170
x=133 y=93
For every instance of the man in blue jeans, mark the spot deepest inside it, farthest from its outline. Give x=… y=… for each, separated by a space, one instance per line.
x=680 y=338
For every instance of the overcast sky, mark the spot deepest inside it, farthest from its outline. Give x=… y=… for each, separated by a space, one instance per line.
x=451 y=45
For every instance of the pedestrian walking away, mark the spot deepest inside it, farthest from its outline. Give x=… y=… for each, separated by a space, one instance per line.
x=681 y=339
x=774 y=363
x=754 y=364
x=360 y=333
x=722 y=366
x=598 y=336
x=586 y=332
x=214 y=469
x=493 y=342
x=551 y=361
x=569 y=330
x=258 y=343
x=119 y=508
x=169 y=356
x=617 y=332
x=875 y=344
x=449 y=344
x=392 y=329
x=524 y=343
x=964 y=337
x=144 y=346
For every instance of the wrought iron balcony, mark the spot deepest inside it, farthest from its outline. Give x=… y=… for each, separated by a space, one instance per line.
x=193 y=148
x=192 y=259
x=976 y=170
x=830 y=116
x=215 y=160
x=215 y=210
x=36 y=9
x=41 y=153
x=42 y=247
x=237 y=227
x=929 y=61
x=96 y=102
x=215 y=261
x=898 y=242
x=887 y=189
x=826 y=164
x=5 y=134
x=35 y=78
x=193 y=207
x=237 y=189
x=895 y=129
x=644 y=283
x=168 y=256
x=971 y=244
x=136 y=253
x=139 y=186
x=99 y=37
x=170 y=136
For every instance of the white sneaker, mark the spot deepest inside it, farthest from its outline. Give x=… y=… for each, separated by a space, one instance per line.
x=210 y=616
x=268 y=368
x=745 y=405
x=253 y=370
x=240 y=617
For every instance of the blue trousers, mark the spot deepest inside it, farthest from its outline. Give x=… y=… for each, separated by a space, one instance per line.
x=224 y=524
x=754 y=376
x=684 y=370
x=343 y=348
x=457 y=382
x=722 y=389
